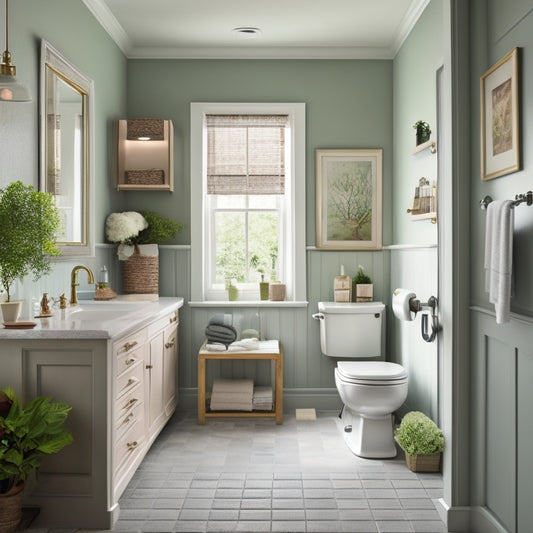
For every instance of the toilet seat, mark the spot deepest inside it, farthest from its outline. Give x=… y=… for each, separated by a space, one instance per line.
x=371 y=372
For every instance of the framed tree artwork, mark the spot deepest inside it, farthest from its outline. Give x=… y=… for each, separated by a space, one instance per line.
x=348 y=199
x=500 y=141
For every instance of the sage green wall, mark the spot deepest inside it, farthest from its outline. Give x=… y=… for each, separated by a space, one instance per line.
x=349 y=105
x=414 y=258
x=501 y=357
x=72 y=29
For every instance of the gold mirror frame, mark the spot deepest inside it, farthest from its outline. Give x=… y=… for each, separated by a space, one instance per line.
x=66 y=151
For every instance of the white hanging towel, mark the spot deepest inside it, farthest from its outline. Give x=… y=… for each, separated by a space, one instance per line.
x=499 y=256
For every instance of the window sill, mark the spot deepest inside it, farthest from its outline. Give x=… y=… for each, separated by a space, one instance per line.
x=248 y=303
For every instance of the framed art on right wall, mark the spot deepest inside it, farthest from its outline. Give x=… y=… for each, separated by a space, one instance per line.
x=500 y=142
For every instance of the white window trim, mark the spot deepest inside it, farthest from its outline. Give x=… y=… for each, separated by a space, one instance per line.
x=296 y=113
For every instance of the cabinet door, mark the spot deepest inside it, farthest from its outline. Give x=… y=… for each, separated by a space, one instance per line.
x=170 y=372
x=154 y=381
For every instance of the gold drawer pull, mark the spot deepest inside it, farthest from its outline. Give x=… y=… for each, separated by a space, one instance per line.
x=173 y=318
x=148 y=367
x=129 y=345
x=133 y=401
x=131 y=381
x=132 y=445
x=130 y=361
x=128 y=418
x=170 y=343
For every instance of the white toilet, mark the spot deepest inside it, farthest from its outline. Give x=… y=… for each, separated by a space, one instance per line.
x=370 y=390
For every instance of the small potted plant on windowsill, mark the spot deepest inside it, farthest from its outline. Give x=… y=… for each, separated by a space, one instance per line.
x=422 y=441
x=363 y=286
x=423 y=131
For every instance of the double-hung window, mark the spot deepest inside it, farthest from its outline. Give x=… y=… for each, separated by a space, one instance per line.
x=247 y=199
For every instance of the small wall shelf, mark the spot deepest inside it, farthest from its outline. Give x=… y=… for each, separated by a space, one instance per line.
x=145 y=155
x=432 y=145
x=424 y=203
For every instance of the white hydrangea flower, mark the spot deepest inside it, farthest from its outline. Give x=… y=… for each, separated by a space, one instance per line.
x=122 y=227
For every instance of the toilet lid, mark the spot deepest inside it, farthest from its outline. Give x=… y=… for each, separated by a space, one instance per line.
x=371 y=371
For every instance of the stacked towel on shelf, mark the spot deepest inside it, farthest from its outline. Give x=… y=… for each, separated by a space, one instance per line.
x=219 y=330
x=262 y=399
x=499 y=256
x=232 y=395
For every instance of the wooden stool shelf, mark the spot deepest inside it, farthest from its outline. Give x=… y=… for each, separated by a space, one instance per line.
x=265 y=351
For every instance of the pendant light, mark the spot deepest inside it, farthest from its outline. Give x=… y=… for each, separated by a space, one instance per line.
x=10 y=89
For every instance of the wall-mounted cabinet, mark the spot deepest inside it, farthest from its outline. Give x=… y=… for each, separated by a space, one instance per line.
x=145 y=155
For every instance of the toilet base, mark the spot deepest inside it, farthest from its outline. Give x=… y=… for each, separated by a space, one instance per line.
x=372 y=438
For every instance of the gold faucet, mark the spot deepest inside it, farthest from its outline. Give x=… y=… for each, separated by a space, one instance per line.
x=74 y=282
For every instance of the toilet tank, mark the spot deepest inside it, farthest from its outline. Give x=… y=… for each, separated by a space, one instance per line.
x=351 y=330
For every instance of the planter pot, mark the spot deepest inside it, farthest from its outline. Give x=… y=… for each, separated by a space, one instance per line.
x=11 y=509
x=141 y=271
x=364 y=292
x=10 y=311
x=277 y=292
x=423 y=463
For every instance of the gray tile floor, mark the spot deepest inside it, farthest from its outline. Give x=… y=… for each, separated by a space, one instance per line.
x=251 y=475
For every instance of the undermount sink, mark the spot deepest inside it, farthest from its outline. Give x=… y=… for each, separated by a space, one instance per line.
x=103 y=311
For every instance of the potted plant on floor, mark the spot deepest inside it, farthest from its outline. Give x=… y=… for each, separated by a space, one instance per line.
x=27 y=434
x=422 y=441
x=29 y=221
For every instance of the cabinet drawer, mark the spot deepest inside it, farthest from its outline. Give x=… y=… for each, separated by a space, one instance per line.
x=131 y=443
x=127 y=360
x=172 y=318
x=130 y=343
x=130 y=380
x=125 y=405
x=135 y=415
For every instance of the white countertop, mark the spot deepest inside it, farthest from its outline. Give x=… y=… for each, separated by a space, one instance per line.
x=96 y=319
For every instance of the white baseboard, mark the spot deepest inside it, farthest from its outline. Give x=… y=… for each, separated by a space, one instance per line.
x=474 y=519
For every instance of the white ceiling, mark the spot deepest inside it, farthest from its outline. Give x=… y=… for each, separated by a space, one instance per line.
x=201 y=29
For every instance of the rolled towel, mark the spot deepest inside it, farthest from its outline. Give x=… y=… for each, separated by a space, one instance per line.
x=218 y=333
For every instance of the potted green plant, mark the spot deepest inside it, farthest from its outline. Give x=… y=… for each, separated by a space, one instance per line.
x=27 y=435
x=138 y=235
x=423 y=131
x=422 y=441
x=363 y=288
x=29 y=221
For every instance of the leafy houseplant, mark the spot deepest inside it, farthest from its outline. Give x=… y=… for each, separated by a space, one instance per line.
x=29 y=221
x=27 y=435
x=422 y=441
x=423 y=131
x=363 y=287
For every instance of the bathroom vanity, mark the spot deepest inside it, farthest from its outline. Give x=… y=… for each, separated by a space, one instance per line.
x=115 y=363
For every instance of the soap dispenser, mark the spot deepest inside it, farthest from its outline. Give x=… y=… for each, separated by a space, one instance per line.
x=103 y=290
x=342 y=287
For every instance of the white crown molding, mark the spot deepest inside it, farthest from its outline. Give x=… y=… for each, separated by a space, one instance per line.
x=406 y=25
x=110 y=24
x=281 y=52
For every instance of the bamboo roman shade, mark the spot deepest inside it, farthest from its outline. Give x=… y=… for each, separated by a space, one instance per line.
x=246 y=154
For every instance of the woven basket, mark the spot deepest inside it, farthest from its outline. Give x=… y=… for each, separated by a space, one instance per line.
x=11 y=509
x=154 y=176
x=423 y=463
x=141 y=274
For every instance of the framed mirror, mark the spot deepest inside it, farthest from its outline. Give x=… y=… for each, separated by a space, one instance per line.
x=66 y=124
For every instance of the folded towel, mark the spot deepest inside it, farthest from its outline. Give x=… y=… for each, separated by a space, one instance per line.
x=262 y=399
x=244 y=345
x=262 y=392
x=499 y=256
x=232 y=395
x=234 y=385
